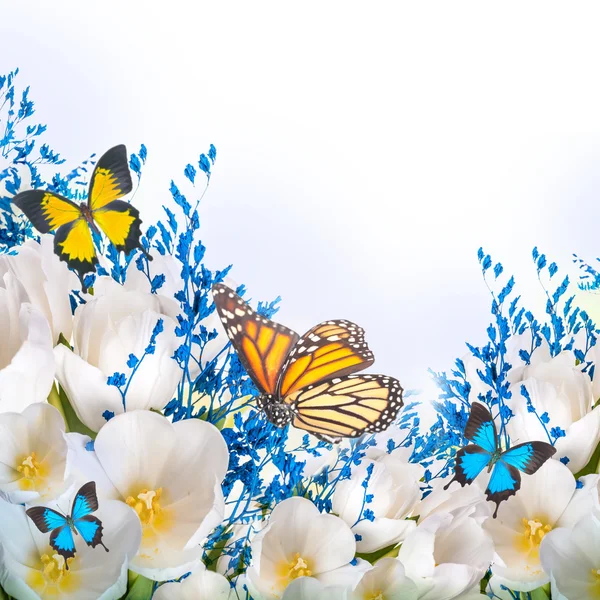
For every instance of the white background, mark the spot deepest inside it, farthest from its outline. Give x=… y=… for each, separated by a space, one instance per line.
x=365 y=150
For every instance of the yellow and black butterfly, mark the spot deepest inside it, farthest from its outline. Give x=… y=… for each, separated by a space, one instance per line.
x=308 y=381
x=74 y=223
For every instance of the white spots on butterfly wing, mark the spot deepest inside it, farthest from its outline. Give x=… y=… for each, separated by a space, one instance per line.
x=240 y=312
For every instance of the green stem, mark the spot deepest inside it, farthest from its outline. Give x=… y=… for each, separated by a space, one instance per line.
x=138 y=587
x=54 y=400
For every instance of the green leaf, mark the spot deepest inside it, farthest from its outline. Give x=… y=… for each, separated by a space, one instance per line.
x=71 y=419
x=539 y=594
x=592 y=466
x=139 y=587
x=373 y=557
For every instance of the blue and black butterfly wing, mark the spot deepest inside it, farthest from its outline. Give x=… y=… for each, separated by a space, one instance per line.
x=470 y=461
x=46 y=519
x=88 y=526
x=504 y=483
x=90 y=529
x=85 y=501
x=61 y=538
x=62 y=541
x=528 y=457
x=506 y=479
x=481 y=429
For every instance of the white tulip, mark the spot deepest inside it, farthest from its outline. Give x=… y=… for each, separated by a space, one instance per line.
x=309 y=588
x=26 y=359
x=385 y=581
x=46 y=280
x=167 y=265
x=391 y=494
x=557 y=387
x=299 y=541
x=446 y=555
x=469 y=500
x=113 y=325
x=33 y=454
x=200 y=585
x=572 y=558
x=171 y=474
x=546 y=500
x=31 y=570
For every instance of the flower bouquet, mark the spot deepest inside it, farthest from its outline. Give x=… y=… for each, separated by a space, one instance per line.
x=163 y=437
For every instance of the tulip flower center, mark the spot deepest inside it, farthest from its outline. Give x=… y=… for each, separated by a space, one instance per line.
x=378 y=595
x=147 y=506
x=32 y=473
x=297 y=567
x=534 y=531
x=53 y=576
x=594 y=587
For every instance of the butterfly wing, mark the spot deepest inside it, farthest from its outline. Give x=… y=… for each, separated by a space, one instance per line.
x=330 y=349
x=46 y=210
x=470 y=461
x=62 y=541
x=73 y=244
x=347 y=406
x=121 y=224
x=528 y=457
x=119 y=220
x=111 y=178
x=46 y=519
x=261 y=344
x=90 y=529
x=61 y=538
x=85 y=501
x=481 y=429
x=504 y=483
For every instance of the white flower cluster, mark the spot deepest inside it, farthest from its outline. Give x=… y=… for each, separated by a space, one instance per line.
x=159 y=482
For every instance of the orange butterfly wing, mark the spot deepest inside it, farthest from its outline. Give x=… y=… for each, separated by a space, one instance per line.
x=347 y=406
x=330 y=349
x=261 y=344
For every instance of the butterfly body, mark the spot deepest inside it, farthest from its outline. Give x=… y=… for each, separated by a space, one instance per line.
x=79 y=522
x=277 y=411
x=310 y=381
x=504 y=465
x=104 y=211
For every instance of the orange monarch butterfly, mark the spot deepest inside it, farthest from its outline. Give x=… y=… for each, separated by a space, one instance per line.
x=308 y=381
x=73 y=222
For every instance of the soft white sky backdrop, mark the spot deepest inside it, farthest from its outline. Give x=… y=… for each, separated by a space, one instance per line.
x=365 y=150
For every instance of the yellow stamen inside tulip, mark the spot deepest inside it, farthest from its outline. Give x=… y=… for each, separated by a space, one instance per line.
x=52 y=577
x=146 y=504
x=297 y=567
x=529 y=541
x=594 y=587
x=378 y=595
x=33 y=473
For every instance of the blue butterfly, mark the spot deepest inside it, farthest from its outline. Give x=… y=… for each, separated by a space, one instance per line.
x=485 y=452
x=80 y=521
